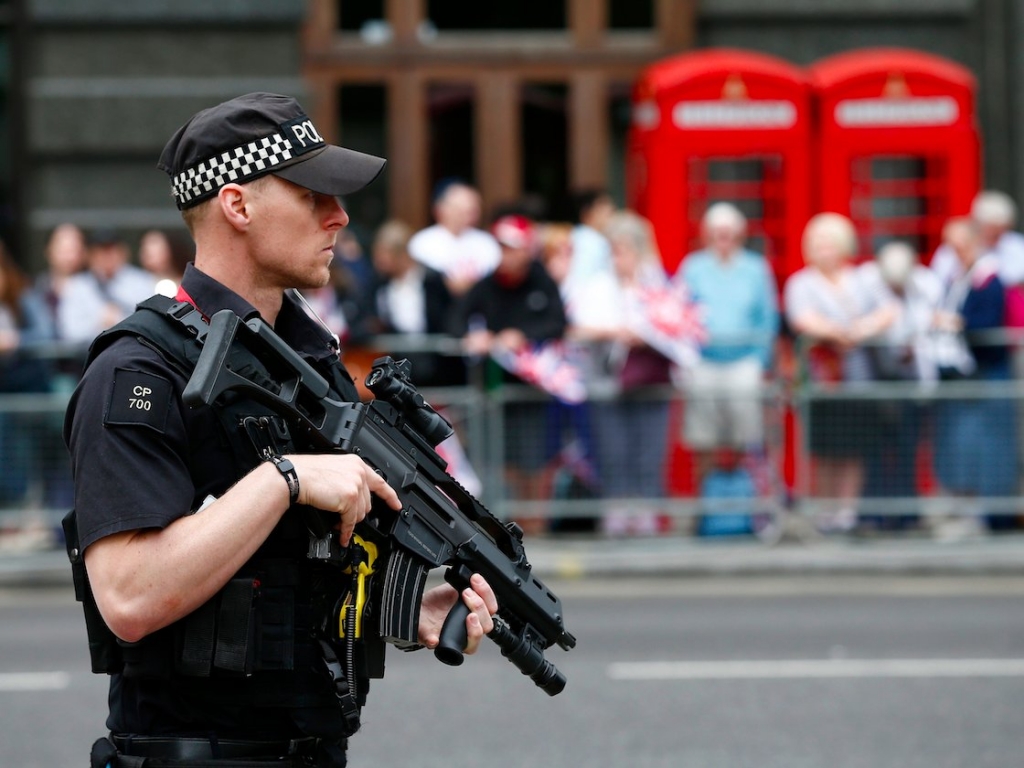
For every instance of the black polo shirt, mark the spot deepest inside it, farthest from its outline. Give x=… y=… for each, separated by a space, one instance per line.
x=142 y=459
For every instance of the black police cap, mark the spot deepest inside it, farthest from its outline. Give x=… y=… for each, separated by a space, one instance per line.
x=251 y=136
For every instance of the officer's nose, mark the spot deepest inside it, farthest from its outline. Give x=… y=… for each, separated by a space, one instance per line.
x=337 y=216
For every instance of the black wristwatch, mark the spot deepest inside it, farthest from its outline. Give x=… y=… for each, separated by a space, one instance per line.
x=287 y=470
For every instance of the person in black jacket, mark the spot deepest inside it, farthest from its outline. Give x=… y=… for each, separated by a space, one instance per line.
x=515 y=307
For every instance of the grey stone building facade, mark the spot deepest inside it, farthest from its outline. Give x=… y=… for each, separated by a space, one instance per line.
x=108 y=81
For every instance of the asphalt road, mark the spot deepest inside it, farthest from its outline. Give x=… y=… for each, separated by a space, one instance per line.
x=807 y=672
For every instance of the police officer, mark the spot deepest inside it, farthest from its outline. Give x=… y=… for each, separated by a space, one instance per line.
x=208 y=608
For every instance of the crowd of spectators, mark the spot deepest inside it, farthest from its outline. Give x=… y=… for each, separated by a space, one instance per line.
x=891 y=318
x=591 y=294
x=87 y=283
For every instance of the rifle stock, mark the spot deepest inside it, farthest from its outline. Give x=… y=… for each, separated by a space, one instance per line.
x=440 y=522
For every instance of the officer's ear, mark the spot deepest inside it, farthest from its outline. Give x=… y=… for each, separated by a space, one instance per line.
x=233 y=201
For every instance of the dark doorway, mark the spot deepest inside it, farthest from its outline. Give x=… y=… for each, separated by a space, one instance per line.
x=363 y=127
x=545 y=148
x=451 y=108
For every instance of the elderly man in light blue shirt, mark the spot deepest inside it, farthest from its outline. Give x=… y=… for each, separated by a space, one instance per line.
x=735 y=291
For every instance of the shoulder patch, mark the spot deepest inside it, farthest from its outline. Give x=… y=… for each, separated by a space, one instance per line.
x=139 y=398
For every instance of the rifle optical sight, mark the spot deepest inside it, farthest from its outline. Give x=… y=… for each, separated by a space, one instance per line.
x=389 y=381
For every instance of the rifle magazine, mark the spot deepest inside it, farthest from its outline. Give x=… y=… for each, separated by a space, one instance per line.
x=404 y=580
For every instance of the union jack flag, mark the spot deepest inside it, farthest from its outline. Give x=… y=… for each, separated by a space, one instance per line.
x=664 y=317
x=544 y=365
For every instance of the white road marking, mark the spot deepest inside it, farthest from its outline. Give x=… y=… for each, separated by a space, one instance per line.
x=34 y=681
x=809 y=669
x=784 y=586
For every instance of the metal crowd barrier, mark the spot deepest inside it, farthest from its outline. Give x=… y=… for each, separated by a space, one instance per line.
x=568 y=469
x=926 y=449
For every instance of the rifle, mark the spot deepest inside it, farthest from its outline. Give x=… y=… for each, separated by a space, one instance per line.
x=440 y=522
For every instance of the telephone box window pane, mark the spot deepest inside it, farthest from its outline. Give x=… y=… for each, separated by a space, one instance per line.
x=753 y=184
x=898 y=197
x=898 y=208
x=897 y=167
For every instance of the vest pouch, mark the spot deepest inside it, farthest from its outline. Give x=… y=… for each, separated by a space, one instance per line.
x=249 y=626
x=219 y=637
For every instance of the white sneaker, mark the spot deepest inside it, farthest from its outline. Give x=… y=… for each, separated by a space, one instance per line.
x=645 y=524
x=841 y=521
x=959 y=529
x=615 y=523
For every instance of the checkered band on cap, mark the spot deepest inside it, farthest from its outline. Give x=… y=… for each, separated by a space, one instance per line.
x=238 y=164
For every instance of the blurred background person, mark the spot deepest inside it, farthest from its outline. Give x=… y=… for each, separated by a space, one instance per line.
x=569 y=445
x=994 y=215
x=65 y=256
x=736 y=294
x=591 y=251
x=594 y=319
x=895 y=277
x=515 y=307
x=631 y=430
x=828 y=306
x=454 y=245
x=24 y=328
x=556 y=252
x=352 y=258
x=106 y=292
x=975 y=438
x=411 y=298
x=165 y=255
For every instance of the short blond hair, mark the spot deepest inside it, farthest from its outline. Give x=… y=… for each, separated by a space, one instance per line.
x=836 y=227
x=194 y=216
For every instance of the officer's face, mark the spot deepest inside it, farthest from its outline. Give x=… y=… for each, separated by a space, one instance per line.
x=293 y=234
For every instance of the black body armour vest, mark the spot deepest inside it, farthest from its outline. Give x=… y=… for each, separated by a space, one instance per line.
x=260 y=640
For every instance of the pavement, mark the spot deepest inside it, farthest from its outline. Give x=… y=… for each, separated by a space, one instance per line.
x=684 y=557
x=567 y=557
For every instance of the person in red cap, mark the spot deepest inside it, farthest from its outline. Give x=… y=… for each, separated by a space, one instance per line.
x=515 y=306
x=206 y=611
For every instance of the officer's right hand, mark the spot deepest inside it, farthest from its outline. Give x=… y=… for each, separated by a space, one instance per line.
x=341 y=483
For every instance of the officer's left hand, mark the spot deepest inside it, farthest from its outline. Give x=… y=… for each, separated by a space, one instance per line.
x=437 y=602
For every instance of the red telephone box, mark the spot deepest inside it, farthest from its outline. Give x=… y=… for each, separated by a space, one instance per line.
x=722 y=125
x=898 y=148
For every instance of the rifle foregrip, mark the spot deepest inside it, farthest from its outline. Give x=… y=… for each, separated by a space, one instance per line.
x=453 y=635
